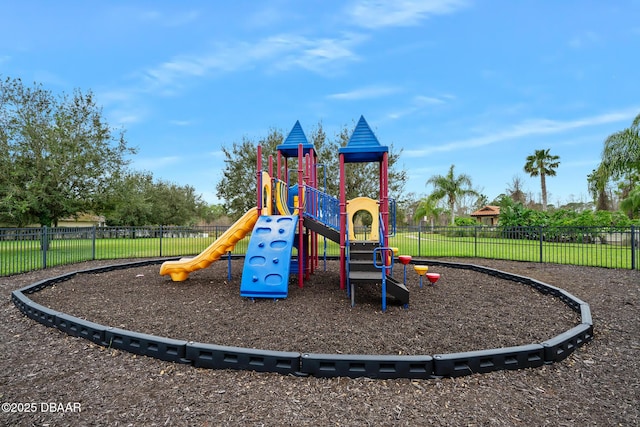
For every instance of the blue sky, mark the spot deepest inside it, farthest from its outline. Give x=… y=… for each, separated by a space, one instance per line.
x=477 y=84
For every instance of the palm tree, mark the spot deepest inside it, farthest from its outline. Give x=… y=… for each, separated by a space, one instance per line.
x=427 y=207
x=621 y=152
x=544 y=164
x=451 y=187
x=631 y=204
x=620 y=157
x=597 y=181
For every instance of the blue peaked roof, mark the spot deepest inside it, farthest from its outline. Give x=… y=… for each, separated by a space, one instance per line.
x=363 y=146
x=289 y=148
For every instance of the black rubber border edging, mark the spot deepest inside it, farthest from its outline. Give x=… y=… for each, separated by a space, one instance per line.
x=316 y=364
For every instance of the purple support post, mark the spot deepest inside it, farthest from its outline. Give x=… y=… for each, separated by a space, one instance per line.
x=300 y=220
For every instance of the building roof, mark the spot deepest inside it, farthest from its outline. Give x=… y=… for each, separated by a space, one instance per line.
x=488 y=210
x=289 y=148
x=363 y=146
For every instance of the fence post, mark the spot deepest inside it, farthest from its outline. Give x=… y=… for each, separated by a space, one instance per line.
x=541 y=240
x=419 y=238
x=93 y=243
x=44 y=245
x=161 y=233
x=475 y=241
x=633 y=247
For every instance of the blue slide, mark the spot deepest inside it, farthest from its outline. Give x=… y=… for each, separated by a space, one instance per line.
x=266 y=266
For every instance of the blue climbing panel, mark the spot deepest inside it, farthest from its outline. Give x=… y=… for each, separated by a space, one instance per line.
x=266 y=266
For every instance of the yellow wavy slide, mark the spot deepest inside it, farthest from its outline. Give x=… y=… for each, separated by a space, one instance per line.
x=179 y=270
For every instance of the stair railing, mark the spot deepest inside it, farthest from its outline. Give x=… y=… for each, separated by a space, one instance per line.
x=382 y=253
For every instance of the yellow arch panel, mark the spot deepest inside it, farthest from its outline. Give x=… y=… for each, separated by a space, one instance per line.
x=364 y=204
x=266 y=193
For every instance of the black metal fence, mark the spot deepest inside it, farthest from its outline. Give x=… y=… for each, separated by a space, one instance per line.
x=26 y=249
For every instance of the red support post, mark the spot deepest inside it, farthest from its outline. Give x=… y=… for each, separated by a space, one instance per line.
x=278 y=165
x=285 y=176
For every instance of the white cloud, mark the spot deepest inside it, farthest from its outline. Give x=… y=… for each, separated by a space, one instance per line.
x=427 y=100
x=528 y=128
x=400 y=13
x=418 y=103
x=282 y=52
x=320 y=56
x=126 y=116
x=368 y=92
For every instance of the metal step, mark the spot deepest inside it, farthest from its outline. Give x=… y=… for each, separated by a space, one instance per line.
x=362 y=265
x=365 y=276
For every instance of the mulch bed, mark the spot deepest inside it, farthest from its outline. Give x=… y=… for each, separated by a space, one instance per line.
x=599 y=384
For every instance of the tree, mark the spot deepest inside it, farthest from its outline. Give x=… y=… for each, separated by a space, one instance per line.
x=130 y=201
x=515 y=191
x=212 y=213
x=620 y=161
x=57 y=154
x=621 y=153
x=597 y=181
x=175 y=204
x=542 y=163
x=515 y=214
x=481 y=201
x=627 y=191
x=237 y=187
x=137 y=199
x=427 y=208
x=451 y=187
x=631 y=204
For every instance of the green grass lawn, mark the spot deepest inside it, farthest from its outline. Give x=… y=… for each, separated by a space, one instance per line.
x=428 y=245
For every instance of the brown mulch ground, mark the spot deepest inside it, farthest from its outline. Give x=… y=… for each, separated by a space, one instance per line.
x=599 y=384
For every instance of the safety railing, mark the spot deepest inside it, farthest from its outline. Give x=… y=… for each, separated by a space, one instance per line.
x=323 y=208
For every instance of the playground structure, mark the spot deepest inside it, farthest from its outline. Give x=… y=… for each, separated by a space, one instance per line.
x=289 y=217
